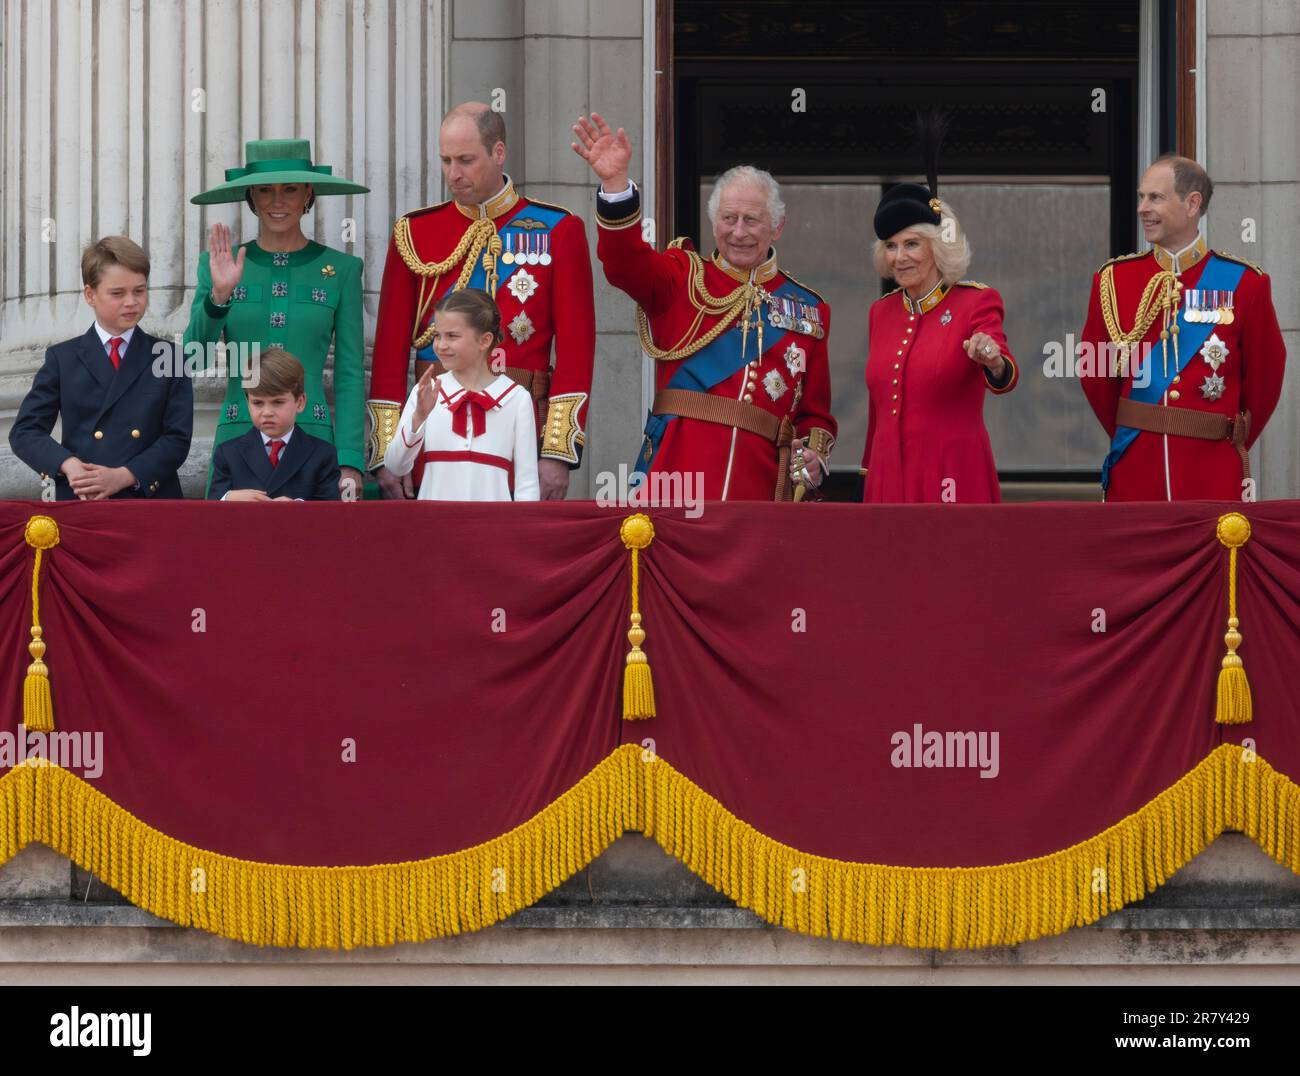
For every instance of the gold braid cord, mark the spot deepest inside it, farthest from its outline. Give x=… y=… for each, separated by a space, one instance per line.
x=1161 y=297
x=742 y=301
x=481 y=233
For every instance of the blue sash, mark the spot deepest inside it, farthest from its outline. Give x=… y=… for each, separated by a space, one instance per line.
x=547 y=216
x=711 y=366
x=1218 y=275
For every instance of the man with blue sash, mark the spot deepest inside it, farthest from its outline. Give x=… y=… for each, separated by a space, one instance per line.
x=1182 y=356
x=530 y=256
x=743 y=385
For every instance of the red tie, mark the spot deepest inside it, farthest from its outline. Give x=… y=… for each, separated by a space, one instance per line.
x=479 y=404
x=275 y=452
x=114 y=354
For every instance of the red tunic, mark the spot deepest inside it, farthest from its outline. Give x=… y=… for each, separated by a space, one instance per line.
x=1156 y=466
x=557 y=305
x=926 y=440
x=790 y=378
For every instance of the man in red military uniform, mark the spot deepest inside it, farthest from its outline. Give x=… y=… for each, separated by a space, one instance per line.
x=1181 y=356
x=530 y=256
x=743 y=386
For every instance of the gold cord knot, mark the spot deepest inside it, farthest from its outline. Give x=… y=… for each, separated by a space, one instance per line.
x=637 y=531
x=1233 y=530
x=42 y=532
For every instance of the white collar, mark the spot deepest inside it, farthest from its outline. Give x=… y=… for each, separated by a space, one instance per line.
x=451 y=386
x=105 y=336
x=285 y=438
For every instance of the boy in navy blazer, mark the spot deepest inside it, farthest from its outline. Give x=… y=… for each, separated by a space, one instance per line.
x=275 y=460
x=126 y=402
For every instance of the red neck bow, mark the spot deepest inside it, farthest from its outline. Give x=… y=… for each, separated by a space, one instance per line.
x=479 y=403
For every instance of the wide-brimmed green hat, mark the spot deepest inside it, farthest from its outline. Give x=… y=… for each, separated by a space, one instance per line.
x=277 y=160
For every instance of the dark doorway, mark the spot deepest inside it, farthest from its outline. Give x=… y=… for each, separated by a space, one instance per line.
x=1040 y=163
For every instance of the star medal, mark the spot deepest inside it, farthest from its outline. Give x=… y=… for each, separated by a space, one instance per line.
x=796 y=360
x=521 y=328
x=522 y=284
x=774 y=384
x=1214 y=352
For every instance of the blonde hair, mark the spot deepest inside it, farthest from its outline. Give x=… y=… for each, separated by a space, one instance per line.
x=951 y=257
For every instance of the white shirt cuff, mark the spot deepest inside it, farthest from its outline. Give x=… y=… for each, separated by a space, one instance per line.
x=622 y=196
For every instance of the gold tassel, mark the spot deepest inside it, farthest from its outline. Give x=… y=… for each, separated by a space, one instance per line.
x=42 y=533
x=1233 y=704
x=637 y=533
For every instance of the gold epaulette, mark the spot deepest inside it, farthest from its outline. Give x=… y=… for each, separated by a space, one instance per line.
x=1124 y=258
x=427 y=209
x=1240 y=261
x=969 y=284
x=801 y=284
x=887 y=294
x=682 y=242
x=549 y=205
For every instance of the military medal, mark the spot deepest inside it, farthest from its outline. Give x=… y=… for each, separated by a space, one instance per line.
x=1214 y=352
x=1212 y=387
x=774 y=384
x=545 y=257
x=508 y=255
x=521 y=327
x=533 y=257
x=522 y=284
x=796 y=360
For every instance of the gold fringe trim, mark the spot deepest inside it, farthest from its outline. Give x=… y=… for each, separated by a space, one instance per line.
x=920 y=907
x=976 y=907
x=321 y=907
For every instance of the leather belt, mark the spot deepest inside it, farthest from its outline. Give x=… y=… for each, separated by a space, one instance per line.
x=1184 y=422
x=738 y=415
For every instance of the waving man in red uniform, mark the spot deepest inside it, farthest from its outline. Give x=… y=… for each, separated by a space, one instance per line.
x=530 y=256
x=743 y=387
x=1182 y=355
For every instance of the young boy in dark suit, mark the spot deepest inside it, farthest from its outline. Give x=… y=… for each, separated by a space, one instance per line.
x=126 y=402
x=275 y=460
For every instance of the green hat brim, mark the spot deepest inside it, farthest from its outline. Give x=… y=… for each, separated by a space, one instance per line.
x=233 y=190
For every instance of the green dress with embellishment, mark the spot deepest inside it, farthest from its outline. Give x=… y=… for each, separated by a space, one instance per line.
x=300 y=301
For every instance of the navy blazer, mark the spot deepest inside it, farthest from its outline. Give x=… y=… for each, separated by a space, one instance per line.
x=308 y=468
x=137 y=416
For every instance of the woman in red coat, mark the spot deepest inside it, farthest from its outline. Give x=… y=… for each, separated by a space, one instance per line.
x=936 y=346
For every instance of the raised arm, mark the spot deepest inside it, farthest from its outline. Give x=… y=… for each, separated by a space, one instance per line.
x=631 y=264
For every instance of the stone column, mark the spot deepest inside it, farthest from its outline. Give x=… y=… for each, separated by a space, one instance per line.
x=116 y=112
x=1252 y=77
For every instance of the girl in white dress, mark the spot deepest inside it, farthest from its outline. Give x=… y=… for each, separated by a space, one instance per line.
x=475 y=430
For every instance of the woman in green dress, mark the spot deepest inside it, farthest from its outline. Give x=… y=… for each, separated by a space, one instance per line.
x=284 y=290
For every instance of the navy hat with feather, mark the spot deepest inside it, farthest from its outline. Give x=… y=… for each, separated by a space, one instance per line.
x=907 y=204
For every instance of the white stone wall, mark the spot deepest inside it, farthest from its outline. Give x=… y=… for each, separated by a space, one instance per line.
x=103 y=132
x=1252 y=138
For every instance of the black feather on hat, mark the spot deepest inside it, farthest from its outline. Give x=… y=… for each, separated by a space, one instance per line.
x=908 y=204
